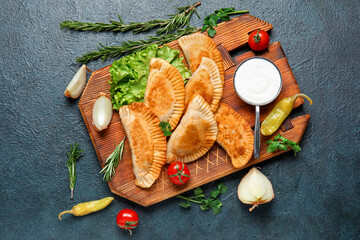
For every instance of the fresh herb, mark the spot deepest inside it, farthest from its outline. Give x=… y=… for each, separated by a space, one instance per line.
x=175 y=21
x=129 y=74
x=106 y=52
x=205 y=203
x=113 y=161
x=74 y=154
x=212 y=20
x=166 y=128
x=283 y=144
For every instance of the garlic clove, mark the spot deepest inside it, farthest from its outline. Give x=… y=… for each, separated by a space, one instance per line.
x=255 y=188
x=77 y=84
x=102 y=112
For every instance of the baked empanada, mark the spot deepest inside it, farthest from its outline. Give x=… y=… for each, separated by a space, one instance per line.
x=165 y=92
x=234 y=135
x=196 y=46
x=195 y=134
x=205 y=82
x=147 y=142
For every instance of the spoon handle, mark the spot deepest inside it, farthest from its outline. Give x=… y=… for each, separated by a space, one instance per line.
x=257 y=133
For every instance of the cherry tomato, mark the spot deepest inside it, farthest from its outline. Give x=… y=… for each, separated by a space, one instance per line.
x=127 y=219
x=179 y=173
x=259 y=40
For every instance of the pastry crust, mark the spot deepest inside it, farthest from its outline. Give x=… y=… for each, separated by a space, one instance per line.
x=195 y=134
x=147 y=142
x=196 y=46
x=205 y=82
x=234 y=135
x=165 y=92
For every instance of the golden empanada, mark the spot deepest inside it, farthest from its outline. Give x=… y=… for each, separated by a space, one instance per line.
x=205 y=82
x=165 y=92
x=196 y=46
x=147 y=142
x=195 y=134
x=234 y=135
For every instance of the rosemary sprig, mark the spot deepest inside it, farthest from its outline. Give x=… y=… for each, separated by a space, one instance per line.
x=113 y=161
x=175 y=21
x=74 y=154
x=179 y=20
x=106 y=52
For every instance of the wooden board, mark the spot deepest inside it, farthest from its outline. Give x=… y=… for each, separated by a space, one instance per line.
x=215 y=164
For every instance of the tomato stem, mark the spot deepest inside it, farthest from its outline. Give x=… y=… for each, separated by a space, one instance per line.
x=179 y=173
x=257 y=37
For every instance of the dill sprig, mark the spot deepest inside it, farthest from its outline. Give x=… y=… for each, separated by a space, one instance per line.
x=74 y=154
x=106 y=52
x=175 y=21
x=113 y=161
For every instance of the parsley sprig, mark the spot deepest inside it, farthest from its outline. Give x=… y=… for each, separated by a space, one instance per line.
x=165 y=128
x=222 y=14
x=282 y=143
x=205 y=203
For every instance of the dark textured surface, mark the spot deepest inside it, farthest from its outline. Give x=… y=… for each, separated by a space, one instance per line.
x=316 y=194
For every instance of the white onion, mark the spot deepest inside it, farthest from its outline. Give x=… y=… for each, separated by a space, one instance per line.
x=77 y=84
x=255 y=188
x=102 y=112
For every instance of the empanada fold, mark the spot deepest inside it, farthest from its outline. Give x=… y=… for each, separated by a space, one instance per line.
x=157 y=139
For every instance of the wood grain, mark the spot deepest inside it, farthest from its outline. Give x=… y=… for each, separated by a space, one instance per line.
x=230 y=35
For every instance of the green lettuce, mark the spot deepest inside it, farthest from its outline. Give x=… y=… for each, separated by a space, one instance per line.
x=129 y=74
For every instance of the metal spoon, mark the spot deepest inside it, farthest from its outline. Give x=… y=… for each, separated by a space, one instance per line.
x=257 y=105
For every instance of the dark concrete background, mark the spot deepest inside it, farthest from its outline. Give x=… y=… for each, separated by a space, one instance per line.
x=316 y=194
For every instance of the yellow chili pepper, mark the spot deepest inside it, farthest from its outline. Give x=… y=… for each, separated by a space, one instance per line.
x=281 y=110
x=82 y=209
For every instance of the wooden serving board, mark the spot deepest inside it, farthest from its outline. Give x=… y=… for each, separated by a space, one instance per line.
x=215 y=164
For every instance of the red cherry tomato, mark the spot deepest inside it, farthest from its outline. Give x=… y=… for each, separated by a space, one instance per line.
x=127 y=219
x=259 y=40
x=179 y=173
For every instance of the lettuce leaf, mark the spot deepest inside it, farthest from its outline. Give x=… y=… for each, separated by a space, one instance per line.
x=129 y=74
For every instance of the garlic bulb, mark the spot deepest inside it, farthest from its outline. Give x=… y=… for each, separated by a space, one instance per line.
x=77 y=84
x=102 y=112
x=255 y=188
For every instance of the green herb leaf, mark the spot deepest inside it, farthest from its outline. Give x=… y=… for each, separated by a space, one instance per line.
x=165 y=128
x=185 y=204
x=216 y=209
x=212 y=22
x=204 y=207
x=223 y=189
x=211 y=32
x=215 y=193
x=204 y=27
x=198 y=191
x=282 y=143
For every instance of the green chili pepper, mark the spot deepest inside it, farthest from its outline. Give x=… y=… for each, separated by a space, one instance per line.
x=281 y=110
x=82 y=209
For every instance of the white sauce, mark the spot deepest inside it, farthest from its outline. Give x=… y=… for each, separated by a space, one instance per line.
x=257 y=81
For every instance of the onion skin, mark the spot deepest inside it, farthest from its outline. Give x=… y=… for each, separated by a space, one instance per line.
x=77 y=84
x=102 y=105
